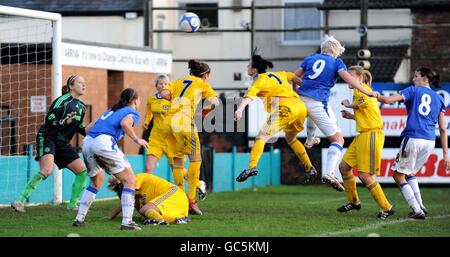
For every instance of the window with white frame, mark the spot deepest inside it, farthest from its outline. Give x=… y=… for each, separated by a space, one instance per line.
x=301 y=18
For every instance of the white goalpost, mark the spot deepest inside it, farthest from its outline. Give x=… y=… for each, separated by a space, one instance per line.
x=27 y=80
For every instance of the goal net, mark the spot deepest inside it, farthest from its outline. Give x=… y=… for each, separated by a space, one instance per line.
x=30 y=78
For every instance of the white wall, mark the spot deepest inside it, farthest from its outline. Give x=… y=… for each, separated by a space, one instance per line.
x=104 y=29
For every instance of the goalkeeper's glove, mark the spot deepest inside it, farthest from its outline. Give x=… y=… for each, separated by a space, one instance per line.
x=68 y=119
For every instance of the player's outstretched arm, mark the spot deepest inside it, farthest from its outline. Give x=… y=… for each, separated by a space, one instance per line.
x=349 y=79
x=444 y=140
x=127 y=126
x=116 y=212
x=240 y=109
x=390 y=99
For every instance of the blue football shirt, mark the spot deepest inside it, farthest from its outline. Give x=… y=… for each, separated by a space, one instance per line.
x=423 y=106
x=320 y=75
x=109 y=123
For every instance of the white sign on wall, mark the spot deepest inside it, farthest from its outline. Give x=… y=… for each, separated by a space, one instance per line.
x=432 y=171
x=116 y=58
x=38 y=103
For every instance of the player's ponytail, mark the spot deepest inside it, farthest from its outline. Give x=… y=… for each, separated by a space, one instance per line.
x=66 y=88
x=433 y=77
x=126 y=97
x=198 y=69
x=259 y=63
x=367 y=78
x=435 y=80
x=361 y=72
x=115 y=185
x=358 y=70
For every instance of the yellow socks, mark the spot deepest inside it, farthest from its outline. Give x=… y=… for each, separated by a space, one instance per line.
x=301 y=153
x=255 y=154
x=350 y=189
x=378 y=195
x=178 y=176
x=193 y=178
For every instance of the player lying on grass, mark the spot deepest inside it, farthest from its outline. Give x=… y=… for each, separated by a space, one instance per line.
x=182 y=134
x=101 y=153
x=319 y=73
x=286 y=113
x=425 y=108
x=366 y=149
x=157 y=200
x=63 y=120
x=157 y=109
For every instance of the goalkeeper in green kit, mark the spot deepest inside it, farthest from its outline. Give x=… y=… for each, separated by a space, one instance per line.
x=63 y=120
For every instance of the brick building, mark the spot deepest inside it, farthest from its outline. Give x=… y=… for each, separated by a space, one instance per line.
x=431 y=46
x=105 y=79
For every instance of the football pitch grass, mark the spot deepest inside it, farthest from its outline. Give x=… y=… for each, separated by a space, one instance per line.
x=282 y=211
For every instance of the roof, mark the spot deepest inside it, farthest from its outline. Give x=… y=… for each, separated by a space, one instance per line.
x=80 y=7
x=385 y=4
x=384 y=61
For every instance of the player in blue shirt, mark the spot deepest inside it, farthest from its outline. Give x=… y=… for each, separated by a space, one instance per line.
x=319 y=73
x=101 y=152
x=425 y=108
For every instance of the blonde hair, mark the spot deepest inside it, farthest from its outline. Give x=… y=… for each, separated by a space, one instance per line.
x=331 y=45
x=361 y=72
x=160 y=77
x=367 y=78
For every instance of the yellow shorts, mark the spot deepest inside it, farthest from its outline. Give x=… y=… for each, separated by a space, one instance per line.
x=157 y=144
x=183 y=140
x=173 y=204
x=365 y=152
x=289 y=116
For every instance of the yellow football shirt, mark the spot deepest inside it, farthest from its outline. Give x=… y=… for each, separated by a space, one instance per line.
x=187 y=93
x=150 y=186
x=157 y=109
x=270 y=85
x=367 y=114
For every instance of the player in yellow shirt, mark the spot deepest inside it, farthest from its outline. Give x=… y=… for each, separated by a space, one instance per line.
x=365 y=150
x=157 y=109
x=287 y=113
x=158 y=200
x=182 y=136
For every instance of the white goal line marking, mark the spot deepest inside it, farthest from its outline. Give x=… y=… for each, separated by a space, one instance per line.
x=375 y=226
